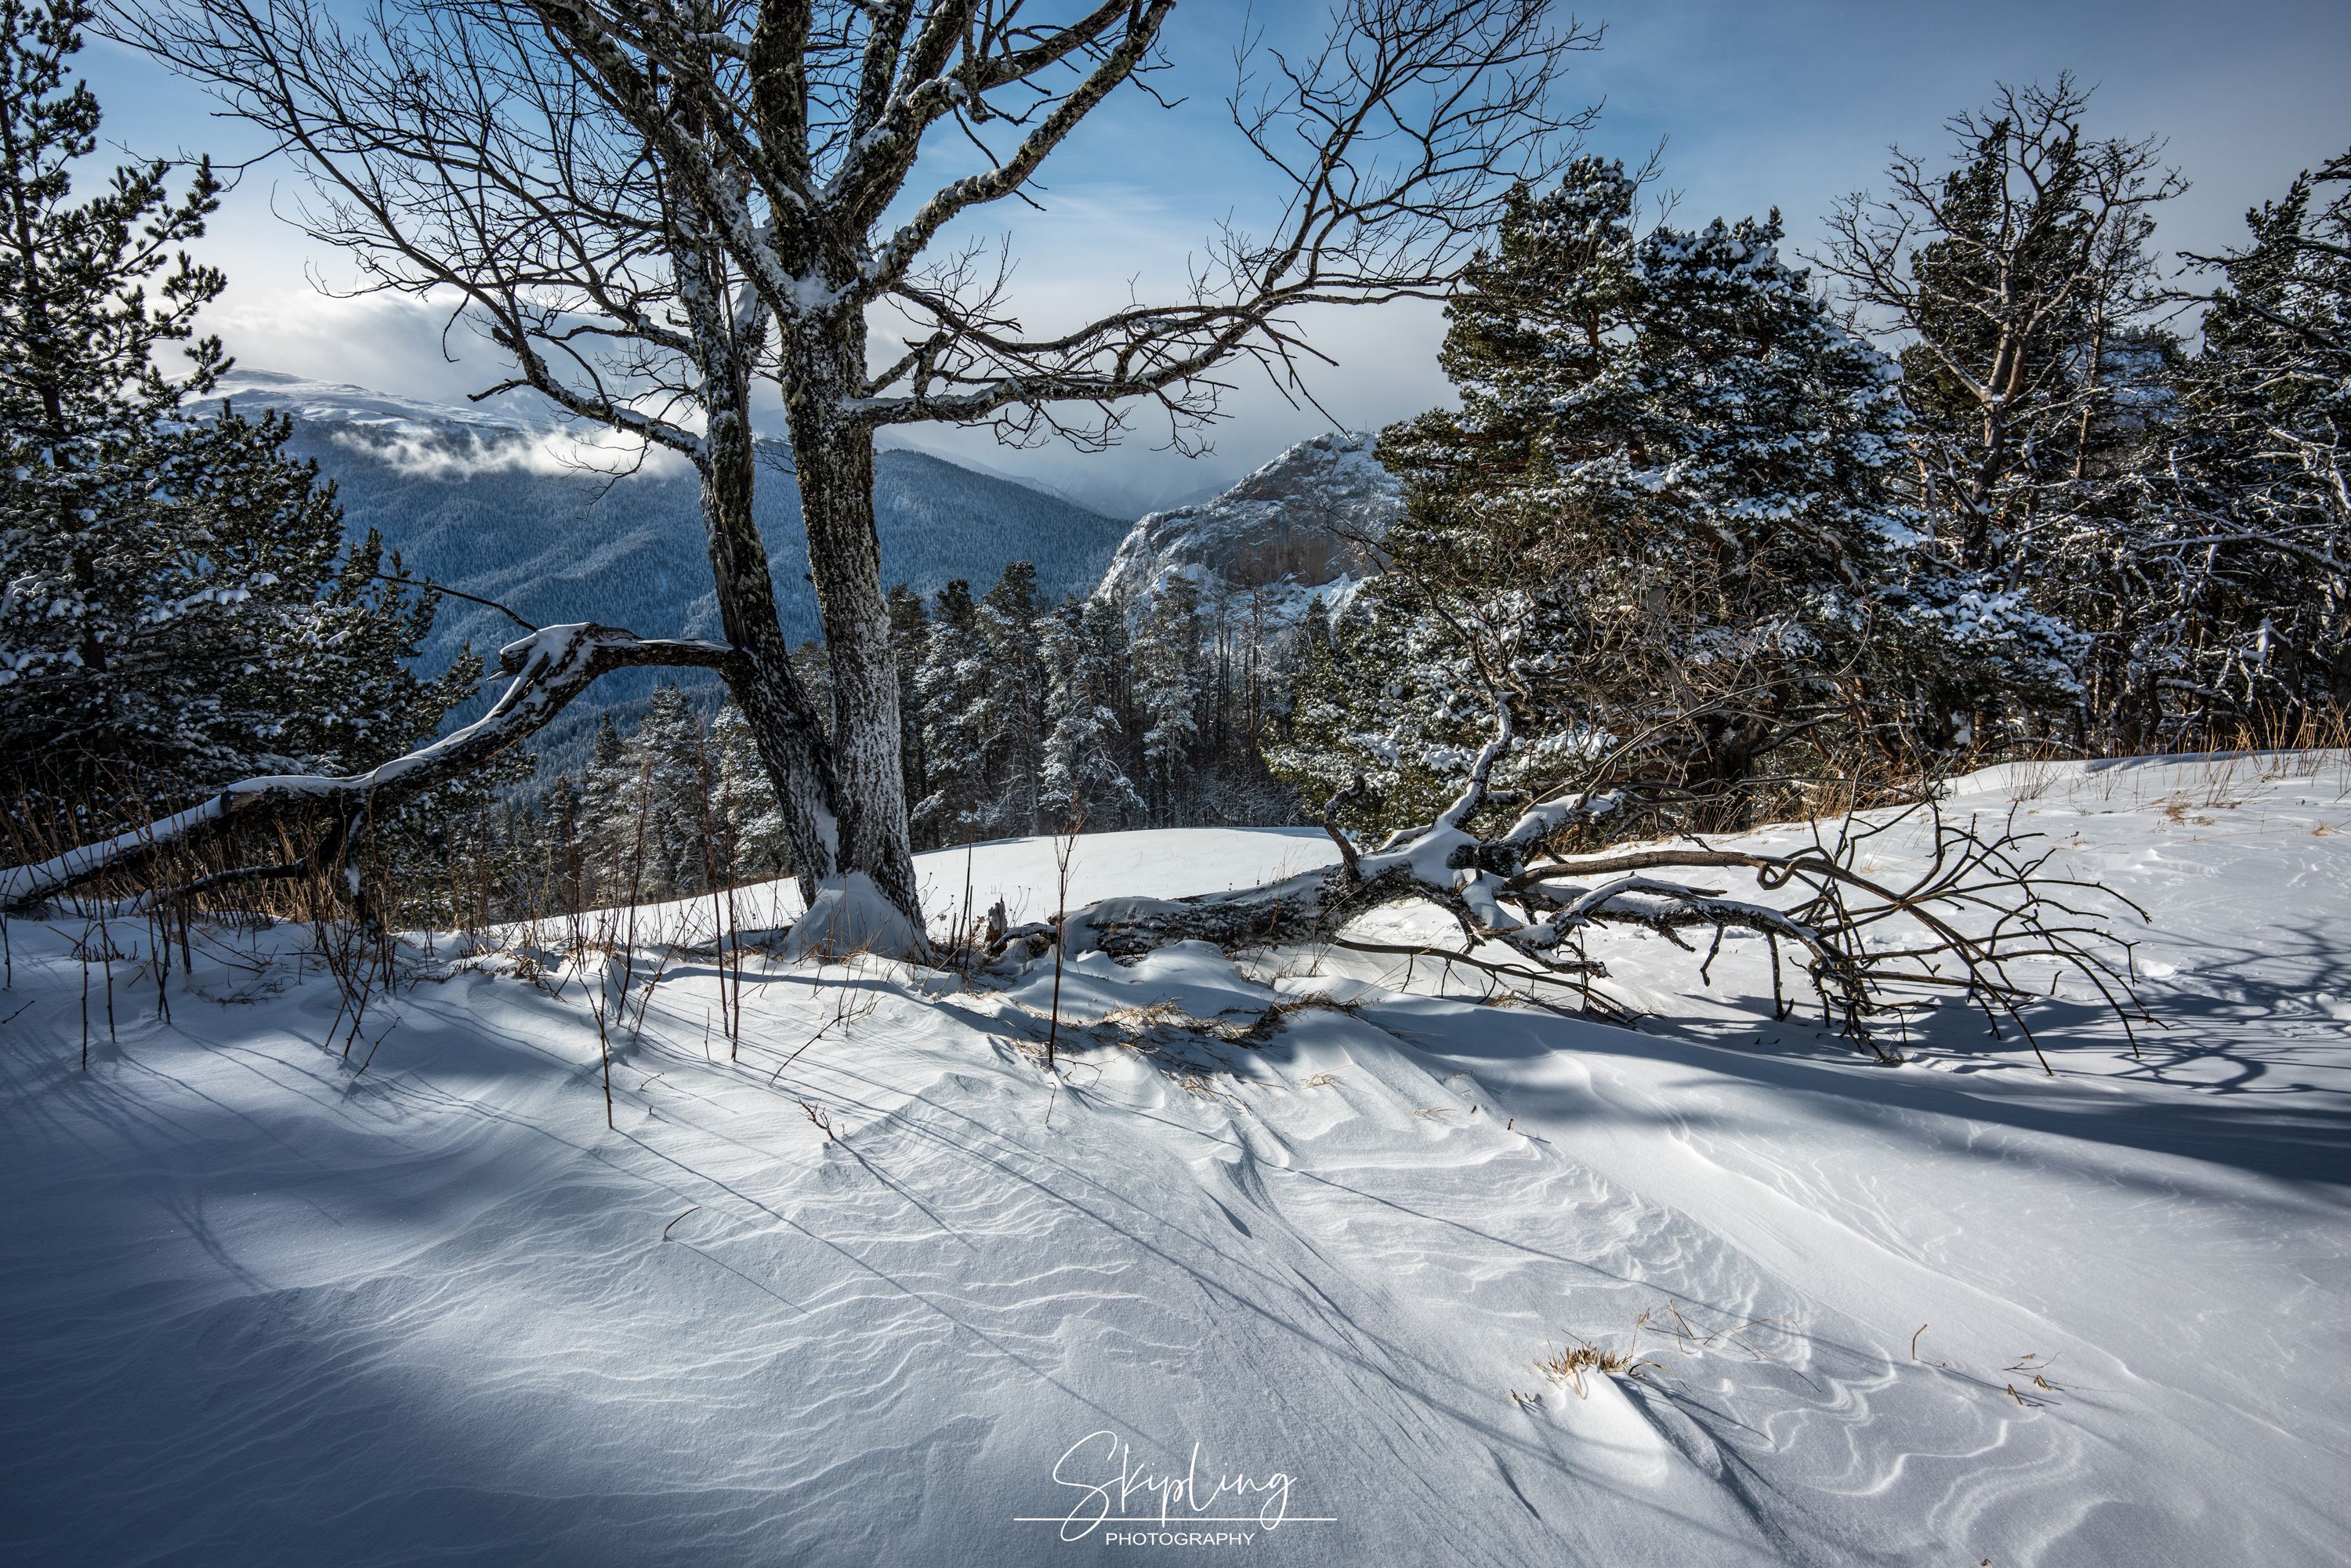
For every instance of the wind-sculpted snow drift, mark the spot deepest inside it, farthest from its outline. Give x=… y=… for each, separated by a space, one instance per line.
x=874 y=1289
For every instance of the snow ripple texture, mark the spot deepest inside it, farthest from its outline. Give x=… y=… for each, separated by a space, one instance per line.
x=851 y=1301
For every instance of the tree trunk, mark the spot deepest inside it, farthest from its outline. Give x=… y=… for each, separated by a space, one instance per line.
x=784 y=724
x=824 y=367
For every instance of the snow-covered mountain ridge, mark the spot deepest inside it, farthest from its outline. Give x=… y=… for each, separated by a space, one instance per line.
x=1297 y=528
x=304 y=398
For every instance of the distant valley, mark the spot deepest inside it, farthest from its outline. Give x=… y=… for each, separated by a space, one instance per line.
x=495 y=503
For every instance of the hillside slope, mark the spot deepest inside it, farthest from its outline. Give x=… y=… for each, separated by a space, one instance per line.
x=880 y=1291
x=497 y=503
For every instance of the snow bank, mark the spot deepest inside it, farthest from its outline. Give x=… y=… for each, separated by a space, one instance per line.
x=874 y=1289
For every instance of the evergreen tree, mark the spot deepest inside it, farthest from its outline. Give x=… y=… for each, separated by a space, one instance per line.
x=1660 y=525
x=910 y=627
x=2250 y=505
x=676 y=783
x=2022 y=281
x=2012 y=272
x=757 y=843
x=952 y=684
x=609 y=824
x=1081 y=780
x=1168 y=688
x=177 y=607
x=1009 y=723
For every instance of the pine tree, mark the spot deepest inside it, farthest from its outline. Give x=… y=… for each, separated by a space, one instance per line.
x=910 y=626
x=609 y=824
x=1167 y=687
x=952 y=683
x=1660 y=525
x=757 y=843
x=1081 y=780
x=675 y=775
x=2022 y=281
x=1009 y=722
x=2249 y=506
x=178 y=609
x=2012 y=273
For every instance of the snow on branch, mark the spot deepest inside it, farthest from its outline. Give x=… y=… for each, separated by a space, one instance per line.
x=550 y=668
x=1980 y=916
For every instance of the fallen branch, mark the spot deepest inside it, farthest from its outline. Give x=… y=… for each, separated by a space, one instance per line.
x=550 y=668
x=1872 y=949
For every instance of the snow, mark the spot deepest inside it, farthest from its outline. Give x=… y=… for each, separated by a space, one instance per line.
x=851 y=915
x=263 y=1307
x=1283 y=535
x=340 y=402
x=517 y=431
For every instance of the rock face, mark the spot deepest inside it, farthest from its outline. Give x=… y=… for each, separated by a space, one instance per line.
x=1293 y=529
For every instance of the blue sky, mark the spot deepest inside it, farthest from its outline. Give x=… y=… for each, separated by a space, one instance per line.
x=1758 y=105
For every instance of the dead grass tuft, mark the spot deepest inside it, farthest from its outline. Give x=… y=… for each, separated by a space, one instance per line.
x=1569 y=1367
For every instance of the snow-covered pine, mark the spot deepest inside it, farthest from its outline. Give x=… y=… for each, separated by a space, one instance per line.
x=1082 y=782
x=1168 y=690
x=670 y=816
x=951 y=683
x=2021 y=286
x=910 y=632
x=2246 y=519
x=179 y=608
x=1010 y=720
x=1661 y=524
x=756 y=842
x=677 y=807
x=604 y=784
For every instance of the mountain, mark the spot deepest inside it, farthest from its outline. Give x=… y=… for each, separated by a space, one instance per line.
x=497 y=501
x=1303 y=525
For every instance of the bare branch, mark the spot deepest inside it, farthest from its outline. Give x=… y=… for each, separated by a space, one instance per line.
x=549 y=668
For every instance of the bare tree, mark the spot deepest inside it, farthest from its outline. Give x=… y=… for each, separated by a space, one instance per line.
x=652 y=206
x=2008 y=277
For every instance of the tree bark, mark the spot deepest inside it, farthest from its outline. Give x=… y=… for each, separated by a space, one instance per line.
x=833 y=451
x=784 y=724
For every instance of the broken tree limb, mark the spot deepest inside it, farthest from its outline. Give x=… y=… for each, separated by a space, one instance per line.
x=550 y=668
x=1875 y=945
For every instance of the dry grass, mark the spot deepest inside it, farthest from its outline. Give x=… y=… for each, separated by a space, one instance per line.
x=1198 y=1086
x=1569 y=1367
x=2033 y=1368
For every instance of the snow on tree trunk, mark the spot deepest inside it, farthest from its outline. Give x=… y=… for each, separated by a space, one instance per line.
x=783 y=723
x=834 y=455
x=852 y=915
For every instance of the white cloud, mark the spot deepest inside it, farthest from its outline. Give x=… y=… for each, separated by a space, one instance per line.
x=569 y=450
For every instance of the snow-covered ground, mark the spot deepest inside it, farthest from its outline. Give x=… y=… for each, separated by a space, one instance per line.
x=262 y=1308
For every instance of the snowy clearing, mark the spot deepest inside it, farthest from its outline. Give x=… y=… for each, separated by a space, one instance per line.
x=880 y=1291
